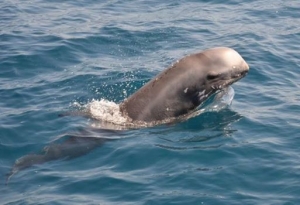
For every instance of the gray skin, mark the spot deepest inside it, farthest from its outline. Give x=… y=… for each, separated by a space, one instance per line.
x=182 y=87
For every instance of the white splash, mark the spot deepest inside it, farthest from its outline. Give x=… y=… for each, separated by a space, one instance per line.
x=105 y=110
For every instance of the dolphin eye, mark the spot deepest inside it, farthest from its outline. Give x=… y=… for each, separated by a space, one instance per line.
x=212 y=76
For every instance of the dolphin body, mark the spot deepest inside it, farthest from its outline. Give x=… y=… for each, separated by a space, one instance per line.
x=74 y=146
x=177 y=91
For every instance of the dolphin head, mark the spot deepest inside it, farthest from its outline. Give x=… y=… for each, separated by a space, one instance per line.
x=223 y=66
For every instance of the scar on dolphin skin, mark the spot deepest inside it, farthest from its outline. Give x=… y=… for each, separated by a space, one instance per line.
x=177 y=91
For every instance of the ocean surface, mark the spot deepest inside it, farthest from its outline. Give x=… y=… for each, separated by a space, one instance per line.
x=60 y=56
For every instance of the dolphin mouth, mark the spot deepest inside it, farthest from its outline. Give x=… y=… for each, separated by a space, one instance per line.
x=240 y=75
x=229 y=80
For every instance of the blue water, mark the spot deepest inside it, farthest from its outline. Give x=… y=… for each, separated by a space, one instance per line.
x=54 y=54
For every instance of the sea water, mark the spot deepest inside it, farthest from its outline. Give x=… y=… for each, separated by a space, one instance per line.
x=59 y=56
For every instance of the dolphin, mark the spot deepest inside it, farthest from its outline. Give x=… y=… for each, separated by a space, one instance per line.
x=177 y=91
x=185 y=85
x=75 y=145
